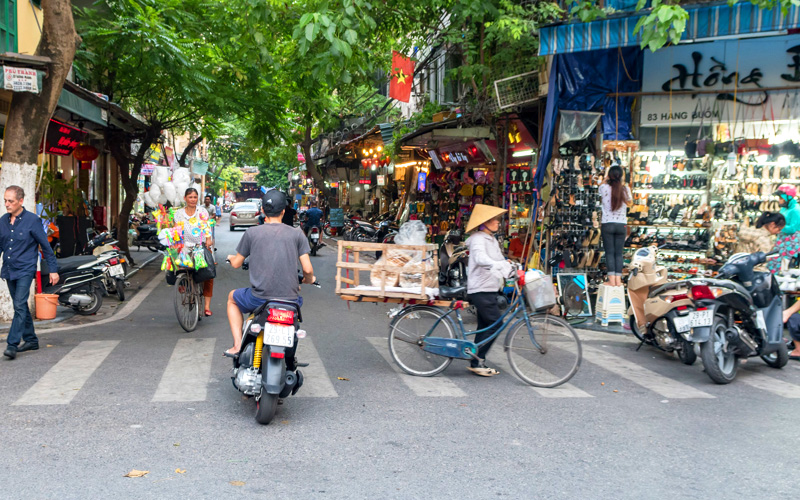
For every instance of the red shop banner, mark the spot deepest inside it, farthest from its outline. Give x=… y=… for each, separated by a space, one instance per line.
x=62 y=139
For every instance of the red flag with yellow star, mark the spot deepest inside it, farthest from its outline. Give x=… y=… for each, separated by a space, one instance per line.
x=402 y=77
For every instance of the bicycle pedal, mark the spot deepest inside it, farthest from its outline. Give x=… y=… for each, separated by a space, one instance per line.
x=302 y=365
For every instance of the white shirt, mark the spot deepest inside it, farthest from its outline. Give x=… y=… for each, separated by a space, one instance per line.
x=618 y=216
x=487 y=264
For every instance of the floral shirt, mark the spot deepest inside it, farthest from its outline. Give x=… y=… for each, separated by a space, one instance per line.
x=190 y=223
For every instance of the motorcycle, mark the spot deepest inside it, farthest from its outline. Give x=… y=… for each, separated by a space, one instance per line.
x=739 y=315
x=658 y=309
x=265 y=367
x=114 y=264
x=146 y=235
x=313 y=240
x=453 y=261
x=80 y=285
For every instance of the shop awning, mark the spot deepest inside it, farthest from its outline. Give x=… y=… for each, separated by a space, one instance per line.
x=705 y=23
x=83 y=108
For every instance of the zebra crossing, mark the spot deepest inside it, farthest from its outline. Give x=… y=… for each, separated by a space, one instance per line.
x=188 y=375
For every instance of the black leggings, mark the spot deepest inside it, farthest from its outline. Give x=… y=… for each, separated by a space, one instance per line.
x=614 y=244
x=488 y=313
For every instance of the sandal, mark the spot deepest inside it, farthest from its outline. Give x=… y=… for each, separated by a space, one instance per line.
x=208 y=312
x=483 y=371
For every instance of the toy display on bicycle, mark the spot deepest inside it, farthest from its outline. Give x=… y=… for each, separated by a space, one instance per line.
x=185 y=263
x=542 y=349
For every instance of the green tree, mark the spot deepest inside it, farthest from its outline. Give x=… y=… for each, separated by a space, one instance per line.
x=230 y=176
x=274 y=169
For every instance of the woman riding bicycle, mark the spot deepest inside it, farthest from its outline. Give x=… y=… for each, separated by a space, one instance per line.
x=485 y=273
x=191 y=216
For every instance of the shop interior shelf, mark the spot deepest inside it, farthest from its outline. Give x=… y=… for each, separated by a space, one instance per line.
x=669 y=191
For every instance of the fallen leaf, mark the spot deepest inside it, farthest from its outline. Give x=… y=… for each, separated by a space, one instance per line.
x=137 y=473
x=180 y=471
x=284 y=422
x=342 y=378
x=616 y=390
x=48 y=345
x=176 y=444
x=237 y=483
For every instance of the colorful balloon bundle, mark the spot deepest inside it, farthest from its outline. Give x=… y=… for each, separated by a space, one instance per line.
x=186 y=258
x=171 y=235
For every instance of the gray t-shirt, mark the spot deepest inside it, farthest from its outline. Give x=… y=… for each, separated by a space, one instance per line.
x=274 y=250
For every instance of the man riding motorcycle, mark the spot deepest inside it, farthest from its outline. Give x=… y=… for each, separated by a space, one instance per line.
x=274 y=250
x=313 y=217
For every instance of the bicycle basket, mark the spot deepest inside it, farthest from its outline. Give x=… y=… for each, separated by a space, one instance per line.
x=539 y=291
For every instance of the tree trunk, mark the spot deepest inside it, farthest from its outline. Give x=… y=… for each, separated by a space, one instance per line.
x=129 y=167
x=30 y=113
x=311 y=167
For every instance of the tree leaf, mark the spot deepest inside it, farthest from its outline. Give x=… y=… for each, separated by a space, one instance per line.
x=351 y=36
x=310 y=32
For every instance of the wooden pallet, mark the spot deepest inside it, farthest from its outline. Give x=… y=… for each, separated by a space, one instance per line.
x=457 y=304
x=345 y=282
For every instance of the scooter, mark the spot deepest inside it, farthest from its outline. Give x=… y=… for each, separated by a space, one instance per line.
x=114 y=263
x=80 y=285
x=453 y=261
x=147 y=236
x=314 y=240
x=743 y=317
x=659 y=310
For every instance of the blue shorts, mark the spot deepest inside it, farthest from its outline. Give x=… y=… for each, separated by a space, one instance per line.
x=247 y=302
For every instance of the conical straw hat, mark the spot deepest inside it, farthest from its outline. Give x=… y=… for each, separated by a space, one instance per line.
x=483 y=213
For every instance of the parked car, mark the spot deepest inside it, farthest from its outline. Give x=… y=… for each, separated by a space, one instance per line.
x=244 y=214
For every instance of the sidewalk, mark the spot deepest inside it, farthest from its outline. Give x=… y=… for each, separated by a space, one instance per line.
x=147 y=266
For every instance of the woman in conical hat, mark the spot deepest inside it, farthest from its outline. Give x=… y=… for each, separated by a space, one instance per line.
x=487 y=269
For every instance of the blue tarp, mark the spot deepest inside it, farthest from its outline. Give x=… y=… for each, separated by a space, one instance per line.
x=582 y=82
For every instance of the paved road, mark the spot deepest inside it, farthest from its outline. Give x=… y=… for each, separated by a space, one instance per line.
x=140 y=393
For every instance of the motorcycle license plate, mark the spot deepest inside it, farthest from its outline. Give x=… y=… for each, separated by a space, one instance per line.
x=116 y=270
x=315 y=237
x=693 y=319
x=280 y=335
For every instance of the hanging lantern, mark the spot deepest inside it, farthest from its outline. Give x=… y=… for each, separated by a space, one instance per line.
x=85 y=152
x=364 y=162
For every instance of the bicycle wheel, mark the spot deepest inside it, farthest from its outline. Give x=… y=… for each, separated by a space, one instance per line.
x=186 y=307
x=406 y=333
x=545 y=355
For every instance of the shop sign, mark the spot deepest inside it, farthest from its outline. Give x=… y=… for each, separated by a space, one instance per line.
x=381 y=180
x=364 y=181
x=148 y=169
x=421 y=178
x=62 y=139
x=334 y=184
x=728 y=67
x=336 y=217
x=20 y=79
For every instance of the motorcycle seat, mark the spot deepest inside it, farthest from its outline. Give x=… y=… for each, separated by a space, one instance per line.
x=454 y=292
x=69 y=263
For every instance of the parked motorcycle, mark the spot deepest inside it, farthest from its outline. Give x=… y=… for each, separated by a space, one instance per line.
x=146 y=235
x=453 y=260
x=659 y=310
x=80 y=285
x=113 y=262
x=742 y=316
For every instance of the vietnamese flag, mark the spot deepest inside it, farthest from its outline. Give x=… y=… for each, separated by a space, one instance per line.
x=402 y=77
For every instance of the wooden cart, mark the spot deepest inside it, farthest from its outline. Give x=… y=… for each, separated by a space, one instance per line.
x=349 y=273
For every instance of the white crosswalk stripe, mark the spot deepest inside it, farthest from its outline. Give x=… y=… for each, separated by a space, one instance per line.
x=63 y=381
x=498 y=358
x=438 y=386
x=769 y=384
x=316 y=382
x=640 y=375
x=186 y=375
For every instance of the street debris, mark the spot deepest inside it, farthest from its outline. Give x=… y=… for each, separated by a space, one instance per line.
x=345 y=379
x=237 y=483
x=137 y=473
x=180 y=471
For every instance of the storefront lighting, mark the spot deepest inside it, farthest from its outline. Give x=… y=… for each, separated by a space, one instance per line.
x=524 y=152
x=364 y=152
x=404 y=165
x=371 y=151
x=373 y=166
x=358 y=188
x=380 y=148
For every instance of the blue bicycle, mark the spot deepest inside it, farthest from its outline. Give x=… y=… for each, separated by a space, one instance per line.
x=542 y=349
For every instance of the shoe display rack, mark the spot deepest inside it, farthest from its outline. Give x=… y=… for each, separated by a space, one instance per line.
x=575 y=242
x=671 y=209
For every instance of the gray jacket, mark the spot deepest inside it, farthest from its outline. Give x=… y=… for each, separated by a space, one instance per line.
x=487 y=265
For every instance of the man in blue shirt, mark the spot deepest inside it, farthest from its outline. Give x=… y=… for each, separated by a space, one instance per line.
x=313 y=216
x=21 y=236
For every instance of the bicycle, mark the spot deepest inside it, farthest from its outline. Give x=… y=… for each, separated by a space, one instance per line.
x=188 y=299
x=542 y=349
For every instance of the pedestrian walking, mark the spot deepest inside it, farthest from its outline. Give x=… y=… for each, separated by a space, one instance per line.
x=21 y=236
x=213 y=213
x=485 y=274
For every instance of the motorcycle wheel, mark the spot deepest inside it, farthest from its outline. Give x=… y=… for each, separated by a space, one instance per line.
x=686 y=353
x=121 y=290
x=635 y=328
x=779 y=358
x=313 y=250
x=326 y=230
x=94 y=305
x=266 y=408
x=721 y=366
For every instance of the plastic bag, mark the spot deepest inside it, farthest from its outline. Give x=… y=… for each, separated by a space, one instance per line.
x=377 y=276
x=415 y=273
x=539 y=290
x=411 y=233
x=576 y=125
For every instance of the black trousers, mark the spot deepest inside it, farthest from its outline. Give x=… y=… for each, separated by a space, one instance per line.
x=614 y=244
x=488 y=313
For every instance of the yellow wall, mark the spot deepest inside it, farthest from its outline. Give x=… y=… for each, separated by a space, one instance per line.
x=27 y=29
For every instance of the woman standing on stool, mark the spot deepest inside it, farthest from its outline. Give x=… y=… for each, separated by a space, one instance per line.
x=616 y=198
x=485 y=273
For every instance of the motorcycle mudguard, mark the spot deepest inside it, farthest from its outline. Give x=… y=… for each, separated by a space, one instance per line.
x=773 y=317
x=273 y=370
